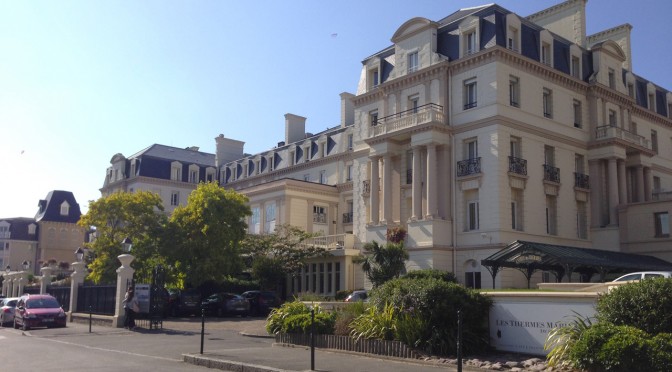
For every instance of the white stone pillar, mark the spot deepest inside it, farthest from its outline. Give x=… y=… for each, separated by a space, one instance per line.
x=613 y=190
x=387 y=189
x=622 y=187
x=640 y=183
x=124 y=276
x=375 y=191
x=76 y=279
x=23 y=279
x=46 y=278
x=16 y=278
x=595 y=193
x=417 y=186
x=431 y=182
x=5 y=284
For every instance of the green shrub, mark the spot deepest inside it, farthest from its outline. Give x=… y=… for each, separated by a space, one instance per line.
x=375 y=323
x=561 y=340
x=431 y=273
x=300 y=323
x=608 y=347
x=412 y=329
x=661 y=351
x=646 y=305
x=437 y=302
x=278 y=316
x=309 y=296
x=346 y=314
x=341 y=295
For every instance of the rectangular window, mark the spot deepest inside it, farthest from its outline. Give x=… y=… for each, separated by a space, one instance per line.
x=193 y=176
x=306 y=177
x=577 y=114
x=633 y=127
x=292 y=158
x=472 y=279
x=517 y=209
x=470 y=43
x=581 y=220
x=656 y=184
x=652 y=102
x=631 y=90
x=612 y=78
x=662 y=221
x=551 y=219
x=549 y=155
x=269 y=223
x=271 y=164
x=314 y=278
x=323 y=149
x=471 y=148
x=512 y=42
x=350 y=142
x=514 y=91
x=612 y=118
x=348 y=173
x=255 y=220
x=546 y=53
x=319 y=214
x=176 y=174
x=323 y=177
x=472 y=216
x=413 y=62
x=579 y=166
x=515 y=147
x=175 y=198
x=337 y=275
x=470 y=93
x=547 y=100
x=374 y=78
x=576 y=67
x=413 y=103
x=321 y=278
x=329 y=278
x=373 y=117
x=654 y=141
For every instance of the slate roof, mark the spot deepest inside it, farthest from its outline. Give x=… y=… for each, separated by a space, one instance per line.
x=50 y=208
x=18 y=228
x=177 y=154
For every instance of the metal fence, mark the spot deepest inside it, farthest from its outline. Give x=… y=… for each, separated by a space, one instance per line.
x=62 y=294
x=97 y=299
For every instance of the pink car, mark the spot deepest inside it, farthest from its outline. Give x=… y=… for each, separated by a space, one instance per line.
x=38 y=311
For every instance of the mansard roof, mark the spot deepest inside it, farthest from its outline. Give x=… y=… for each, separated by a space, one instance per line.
x=186 y=156
x=50 y=208
x=18 y=228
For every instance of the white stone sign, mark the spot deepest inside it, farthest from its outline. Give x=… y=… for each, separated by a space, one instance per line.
x=521 y=322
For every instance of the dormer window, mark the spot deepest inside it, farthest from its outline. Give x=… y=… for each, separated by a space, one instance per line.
x=65 y=208
x=512 y=42
x=413 y=62
x=470 y=45
x=193 y=173
x=612 y=78
x=32 y=229
x=546 y=53
x=576 y=67
x=176 y=171
x=373 y=78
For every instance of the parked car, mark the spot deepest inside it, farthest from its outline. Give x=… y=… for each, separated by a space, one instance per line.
x=261 y=302
x=184 y=302
x=221 y=304
x=357 y=296
x=644 y=275
x=38 y=311
x=7 y=308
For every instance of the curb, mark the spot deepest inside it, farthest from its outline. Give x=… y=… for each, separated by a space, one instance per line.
x=255 y=335
x=227 y=365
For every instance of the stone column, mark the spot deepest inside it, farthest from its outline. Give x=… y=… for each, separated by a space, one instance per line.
x=46 y=279
x=417 y=186
x=613 y=190
x=431 y=182
x=648 y=183
x=76 y=279
x=375 y=191
x=387 y=189
x=622 y=188
x=16 y=278
x=640 y=183
x=23 y=280
x=124 y=276
x=595 y=193
x=5 y=284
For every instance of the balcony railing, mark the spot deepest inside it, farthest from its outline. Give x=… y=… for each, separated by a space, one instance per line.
x=347 y=217
x=517 y=165
x=607 y=131
x=320 y=217
x=428 y=113
x=468 y=167
x=338 y=241
x=366 y=187
x=581 y=180
x=551 y=173
x=409 y=176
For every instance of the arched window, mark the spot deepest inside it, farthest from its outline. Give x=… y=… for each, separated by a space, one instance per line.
x=472 y=274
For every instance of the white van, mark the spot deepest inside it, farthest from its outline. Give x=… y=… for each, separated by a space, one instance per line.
x=644 y=275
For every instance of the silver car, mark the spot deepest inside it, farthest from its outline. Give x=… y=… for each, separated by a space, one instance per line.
x=644 y=275
x=7 y=308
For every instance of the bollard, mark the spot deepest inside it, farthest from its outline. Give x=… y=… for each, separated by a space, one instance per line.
x=202 y=328
x=90 y=317
x=459 y=340
x=312 y=339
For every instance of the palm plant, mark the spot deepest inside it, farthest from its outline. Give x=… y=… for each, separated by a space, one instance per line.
x=561 y=339
x=382 y=263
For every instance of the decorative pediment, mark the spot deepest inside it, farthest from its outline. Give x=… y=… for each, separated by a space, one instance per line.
x=412 y=27
x=612 y=48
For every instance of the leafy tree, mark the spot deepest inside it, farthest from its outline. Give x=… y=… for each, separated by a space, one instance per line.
x=135 y=215
x=204 y=236
x=382 y=263
x=274 y=256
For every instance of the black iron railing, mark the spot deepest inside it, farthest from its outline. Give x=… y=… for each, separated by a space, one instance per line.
x=468 y=167
x=409 y=176
x=366 y=187
x=347 y=217
x=581 y=180
x=551 y=173
x=517 y=165
x=413 y=111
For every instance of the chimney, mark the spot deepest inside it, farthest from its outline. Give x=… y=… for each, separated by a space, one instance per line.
x=347 y=109
x=295 y=128
x=227 y=150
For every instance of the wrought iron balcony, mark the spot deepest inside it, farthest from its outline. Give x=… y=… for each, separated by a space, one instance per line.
x=551 y=173
x=424 y=114
x=581 y=180
x=517 y=165
x=330 y=242
x=320 y=217
x=347 y=217
x=468 y=167
x=607 y=131
x=366 y=187
x=409 y=176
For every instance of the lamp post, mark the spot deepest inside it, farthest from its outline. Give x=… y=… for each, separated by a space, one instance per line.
x=124 y=277
x=23 y=276
x=126 y=245
x=26 y=265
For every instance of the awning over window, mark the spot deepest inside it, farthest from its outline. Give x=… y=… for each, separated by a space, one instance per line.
x=529 y=257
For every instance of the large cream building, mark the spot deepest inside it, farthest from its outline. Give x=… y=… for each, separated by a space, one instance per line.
x=472 y=132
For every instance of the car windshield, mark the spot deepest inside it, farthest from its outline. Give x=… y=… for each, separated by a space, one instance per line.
x=42 y=303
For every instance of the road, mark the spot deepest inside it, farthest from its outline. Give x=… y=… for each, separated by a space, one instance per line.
x=114 y=349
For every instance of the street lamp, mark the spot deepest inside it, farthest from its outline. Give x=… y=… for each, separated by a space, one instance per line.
x=79 y=254
x=26 y=265
x=126 y=245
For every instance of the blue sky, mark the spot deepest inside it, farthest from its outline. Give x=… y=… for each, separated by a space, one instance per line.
x=83 y=80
